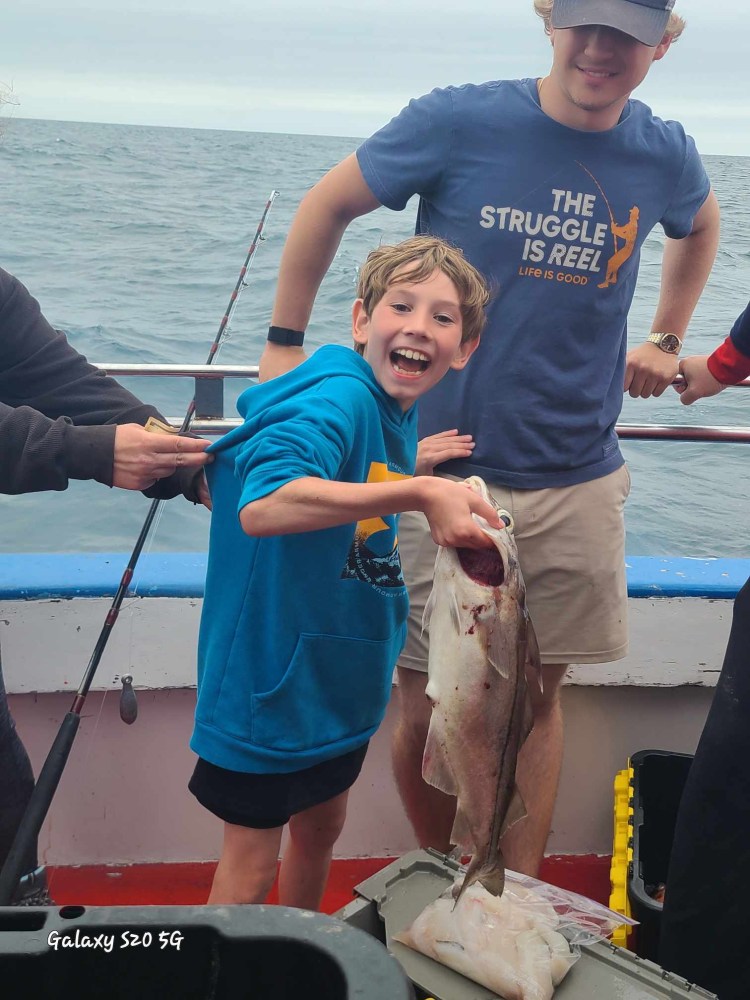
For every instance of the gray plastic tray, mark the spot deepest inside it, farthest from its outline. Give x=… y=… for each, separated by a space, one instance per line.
x=392 y=898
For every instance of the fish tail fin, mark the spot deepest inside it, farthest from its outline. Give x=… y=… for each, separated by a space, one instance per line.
x=488 y=871
x=488 y=867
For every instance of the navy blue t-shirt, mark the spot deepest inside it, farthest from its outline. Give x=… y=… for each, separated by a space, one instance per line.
x=555 y=218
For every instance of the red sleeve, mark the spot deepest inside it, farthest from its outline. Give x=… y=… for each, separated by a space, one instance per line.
x=728 y=365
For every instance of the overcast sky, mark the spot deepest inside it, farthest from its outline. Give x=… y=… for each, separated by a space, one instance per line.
x=336 y=67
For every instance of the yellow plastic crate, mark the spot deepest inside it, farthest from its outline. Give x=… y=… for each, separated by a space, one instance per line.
x=622 y=851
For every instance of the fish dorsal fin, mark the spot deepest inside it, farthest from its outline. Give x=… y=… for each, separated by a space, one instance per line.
x=528 y=717
x=497 y=652
x=533 y=664
x=516 y=811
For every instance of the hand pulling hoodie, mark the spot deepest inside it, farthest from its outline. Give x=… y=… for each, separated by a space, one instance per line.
x=300 y=632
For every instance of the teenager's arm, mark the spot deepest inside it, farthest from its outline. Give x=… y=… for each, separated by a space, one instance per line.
x=311 y=504
x=314 y=236
x=685 y=269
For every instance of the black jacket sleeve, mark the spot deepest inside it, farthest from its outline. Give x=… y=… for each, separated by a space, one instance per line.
x=58 y=414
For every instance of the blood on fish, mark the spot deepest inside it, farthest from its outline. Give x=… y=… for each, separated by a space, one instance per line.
x=476 y=611
x=484 y=566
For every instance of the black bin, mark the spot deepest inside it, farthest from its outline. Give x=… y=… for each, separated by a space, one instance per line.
x=658 y=781
x=193 y=953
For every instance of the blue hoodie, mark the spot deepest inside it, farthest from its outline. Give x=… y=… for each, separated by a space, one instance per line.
x=300 y=633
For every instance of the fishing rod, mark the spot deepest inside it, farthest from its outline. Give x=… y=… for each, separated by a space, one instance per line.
x=54 y=765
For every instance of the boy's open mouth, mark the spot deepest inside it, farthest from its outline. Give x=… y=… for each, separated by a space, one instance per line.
x=408 y=362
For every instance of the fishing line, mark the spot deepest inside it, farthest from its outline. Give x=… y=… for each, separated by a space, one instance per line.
x=49 y=776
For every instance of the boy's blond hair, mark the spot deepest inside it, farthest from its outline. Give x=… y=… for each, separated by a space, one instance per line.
x=675 y=25
x=415 y=260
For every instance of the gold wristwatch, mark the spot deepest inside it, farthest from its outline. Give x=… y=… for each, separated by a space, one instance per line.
x=670 y=343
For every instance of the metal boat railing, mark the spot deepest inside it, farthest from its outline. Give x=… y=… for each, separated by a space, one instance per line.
x=209 y=403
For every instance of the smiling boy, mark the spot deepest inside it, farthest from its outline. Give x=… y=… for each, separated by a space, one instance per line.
x=550 y=185
x=305 y=606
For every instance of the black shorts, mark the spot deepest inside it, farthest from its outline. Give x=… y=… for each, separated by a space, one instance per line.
x=265 y=801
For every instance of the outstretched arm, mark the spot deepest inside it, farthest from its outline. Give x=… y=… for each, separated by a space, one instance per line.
x=314 y=236
x=312 y=504
x=59 y=415
x=43 y=454
x=685 y=269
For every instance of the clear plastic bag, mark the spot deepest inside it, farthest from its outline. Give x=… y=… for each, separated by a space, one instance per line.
x=521 y=945
x=582 y=920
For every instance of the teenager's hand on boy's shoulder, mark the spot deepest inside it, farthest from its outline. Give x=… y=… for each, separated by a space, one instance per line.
x=699 y=382
x=649 y=371
x=438 y=448
x=277 y=359
x=448 y=507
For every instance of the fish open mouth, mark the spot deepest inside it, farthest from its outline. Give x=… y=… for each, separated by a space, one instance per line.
x=483 y=566
x=408 y=362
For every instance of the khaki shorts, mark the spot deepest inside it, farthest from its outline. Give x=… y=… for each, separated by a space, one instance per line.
x=571 y=546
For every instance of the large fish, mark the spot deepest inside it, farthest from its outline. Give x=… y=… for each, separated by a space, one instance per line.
x=483 y=650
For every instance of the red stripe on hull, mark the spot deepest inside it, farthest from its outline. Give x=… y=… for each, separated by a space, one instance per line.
x=189 y=883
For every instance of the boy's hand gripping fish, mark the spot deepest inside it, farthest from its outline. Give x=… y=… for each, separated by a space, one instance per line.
x=482 y=652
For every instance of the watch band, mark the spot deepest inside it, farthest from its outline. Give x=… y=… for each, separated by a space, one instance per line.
x=283 y=335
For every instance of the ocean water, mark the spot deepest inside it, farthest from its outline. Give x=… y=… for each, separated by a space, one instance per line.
x=132 y=239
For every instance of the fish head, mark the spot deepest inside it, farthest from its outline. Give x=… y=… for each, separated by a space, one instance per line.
x=495 y=567
x=479 y=486
x=477 y=606
x=498 y=568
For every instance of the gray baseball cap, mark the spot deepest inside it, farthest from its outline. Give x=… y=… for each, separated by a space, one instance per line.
x=645 y=20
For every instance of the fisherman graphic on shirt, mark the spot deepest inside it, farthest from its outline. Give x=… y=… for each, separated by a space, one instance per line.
x=628 y=233
x=381 y=569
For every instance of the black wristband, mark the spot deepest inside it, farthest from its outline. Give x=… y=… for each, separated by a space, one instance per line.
x=282 y=335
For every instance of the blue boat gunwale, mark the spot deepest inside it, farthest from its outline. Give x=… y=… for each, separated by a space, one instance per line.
x=40 y=576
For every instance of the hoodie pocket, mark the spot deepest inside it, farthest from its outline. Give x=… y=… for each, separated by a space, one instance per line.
x=334 y=689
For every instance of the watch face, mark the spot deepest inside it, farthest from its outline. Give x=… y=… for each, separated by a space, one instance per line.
x=670 y=343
